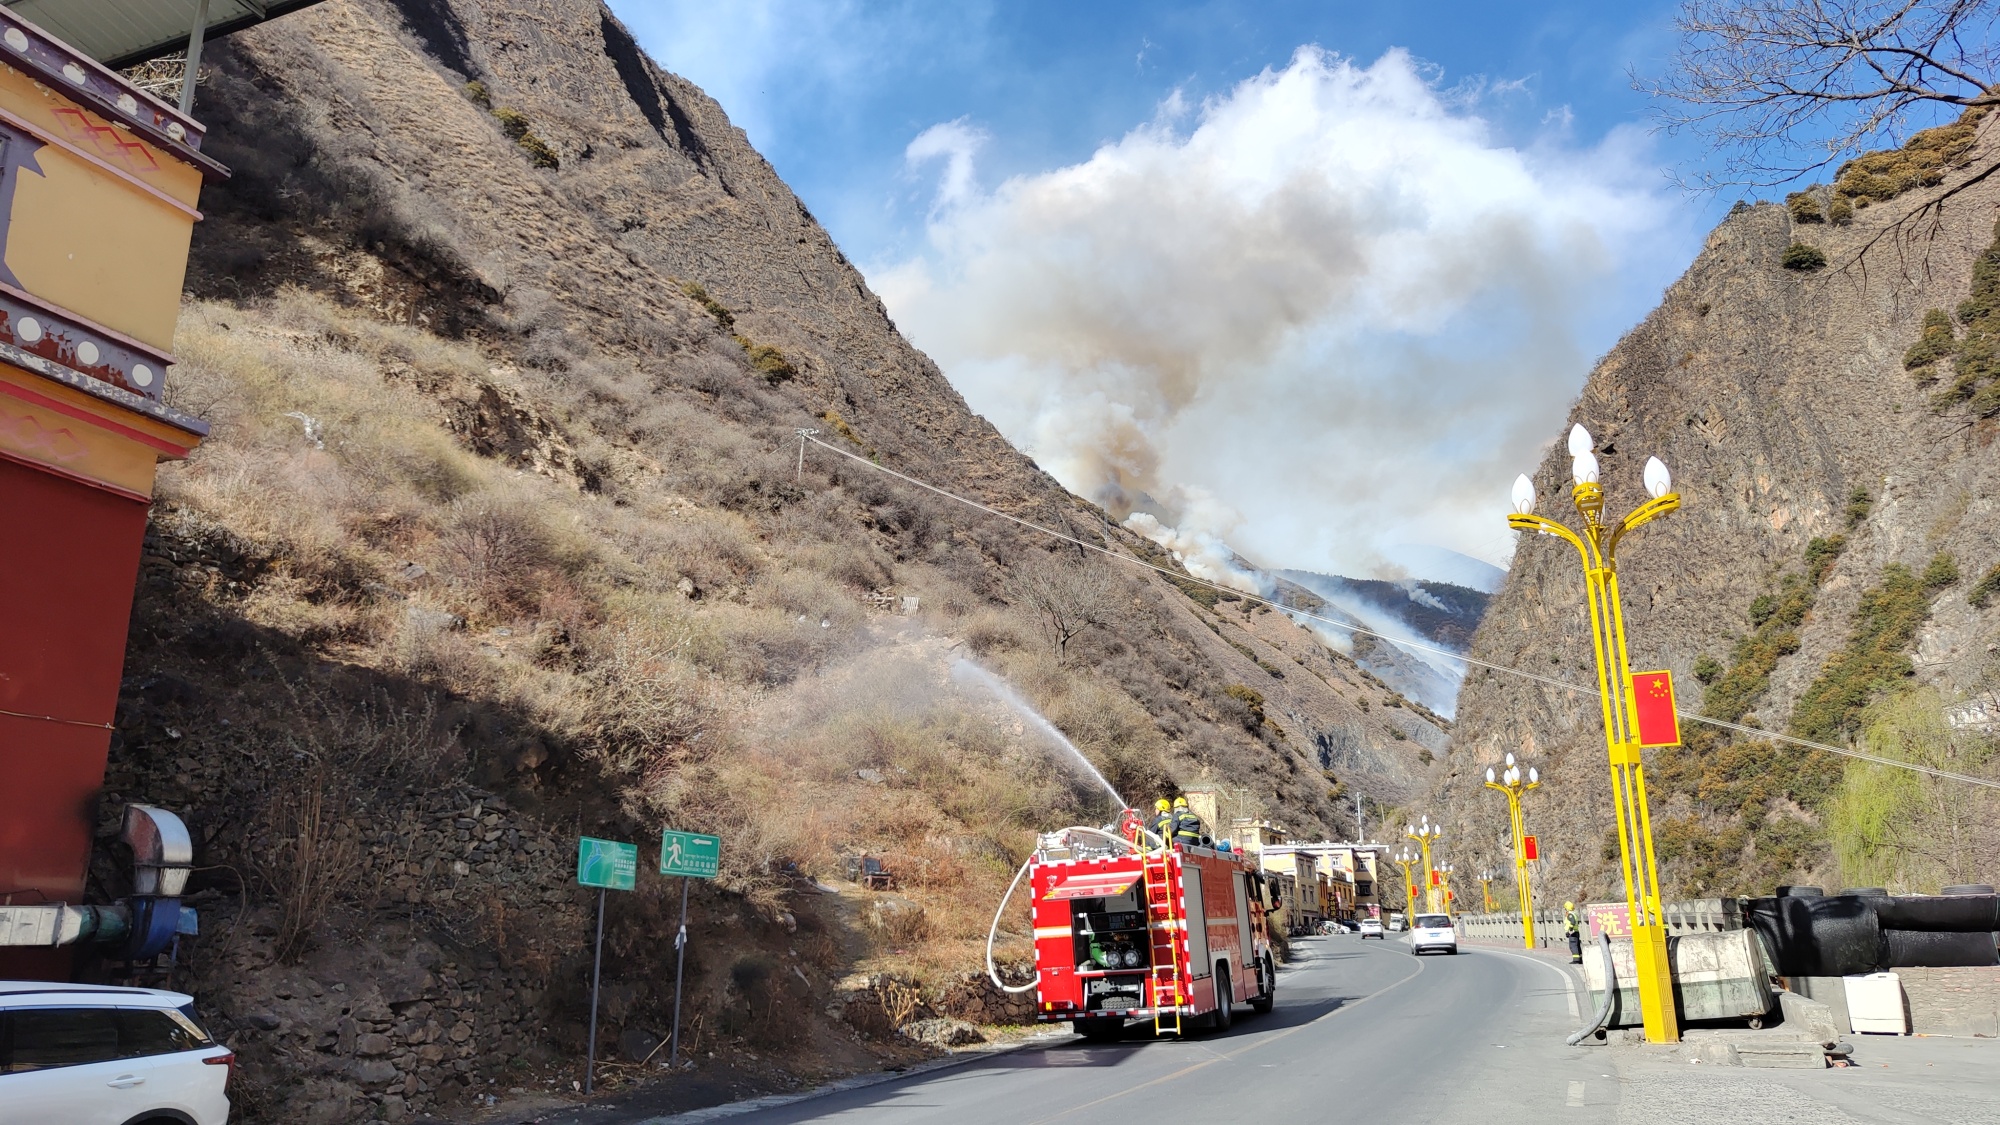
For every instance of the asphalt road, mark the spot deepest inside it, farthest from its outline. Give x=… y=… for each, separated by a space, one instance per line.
x=1362 y=1029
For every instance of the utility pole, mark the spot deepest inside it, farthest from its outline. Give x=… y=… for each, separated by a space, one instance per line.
x=801 y=470
x=1360 y=825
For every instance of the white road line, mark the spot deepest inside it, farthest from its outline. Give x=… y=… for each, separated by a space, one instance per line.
x=1569 y=980
x=1575 y=1094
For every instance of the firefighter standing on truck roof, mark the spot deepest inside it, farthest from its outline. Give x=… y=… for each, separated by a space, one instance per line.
x=1187 y=826
x=1162 y=824
x=1570 y=927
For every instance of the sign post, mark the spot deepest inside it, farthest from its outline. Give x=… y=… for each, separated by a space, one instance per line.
x=691 y=856
x=606 y=865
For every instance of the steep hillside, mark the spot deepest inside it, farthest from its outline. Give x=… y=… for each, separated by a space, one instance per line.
x=502 y=536
x=1840 y=495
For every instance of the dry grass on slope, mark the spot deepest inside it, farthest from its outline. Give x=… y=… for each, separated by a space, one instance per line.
x=719 y=667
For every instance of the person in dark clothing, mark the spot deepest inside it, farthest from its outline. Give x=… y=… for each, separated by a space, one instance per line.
x=1162 y=824
x=1187 y=826
x=1573 y=928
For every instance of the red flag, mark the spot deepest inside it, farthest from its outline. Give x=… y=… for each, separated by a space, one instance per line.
x=1531 y=848
x=1653 y=709
x=1434 y=879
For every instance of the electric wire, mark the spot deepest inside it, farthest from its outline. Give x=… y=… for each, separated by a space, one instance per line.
x=1548 y=681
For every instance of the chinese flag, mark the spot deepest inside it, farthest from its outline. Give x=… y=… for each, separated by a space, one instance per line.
x=1653 y=709
x=1531 y=848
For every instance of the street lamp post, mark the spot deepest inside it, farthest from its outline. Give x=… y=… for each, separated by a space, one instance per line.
x=1425 y=835
x=1511 y=783
x=1486 y=887
x=1597 y=547
x=1444 y=885
x=1407 y=859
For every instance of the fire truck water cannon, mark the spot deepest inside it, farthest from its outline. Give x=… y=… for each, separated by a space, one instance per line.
x=1128 y=926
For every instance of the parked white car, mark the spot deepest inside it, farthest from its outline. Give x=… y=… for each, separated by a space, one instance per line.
x=1433 y=932
x=94 y=1055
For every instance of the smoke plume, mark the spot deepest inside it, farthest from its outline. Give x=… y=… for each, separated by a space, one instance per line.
x=1324 y=314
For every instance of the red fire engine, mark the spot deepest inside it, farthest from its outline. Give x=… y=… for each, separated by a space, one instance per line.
x=1128 y=929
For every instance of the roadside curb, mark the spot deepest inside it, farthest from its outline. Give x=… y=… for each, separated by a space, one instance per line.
x=858 y=1082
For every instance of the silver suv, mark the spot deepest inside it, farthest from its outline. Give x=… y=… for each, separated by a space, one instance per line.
x=94 y=1055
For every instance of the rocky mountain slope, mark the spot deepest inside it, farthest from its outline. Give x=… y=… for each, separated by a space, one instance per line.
x=502 y=536
x=1826 y=575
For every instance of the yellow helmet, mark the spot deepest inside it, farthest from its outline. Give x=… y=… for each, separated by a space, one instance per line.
x=1569 y=906
x=1162 y=804
x=1180 y=802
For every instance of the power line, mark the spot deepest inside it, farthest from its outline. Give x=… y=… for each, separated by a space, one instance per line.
x=1548 y=681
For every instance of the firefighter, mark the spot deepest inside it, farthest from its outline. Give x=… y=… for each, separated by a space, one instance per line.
x=1572 y=929
x=1162 y=824
x=1187 y=826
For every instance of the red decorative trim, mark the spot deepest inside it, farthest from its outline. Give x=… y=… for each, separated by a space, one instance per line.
x=97 y=420
x=49 y=138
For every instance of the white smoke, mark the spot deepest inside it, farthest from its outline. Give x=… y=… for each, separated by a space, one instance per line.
x=1330 y=299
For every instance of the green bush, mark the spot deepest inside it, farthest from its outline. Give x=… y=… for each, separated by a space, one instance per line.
x=1761 y=608
x=1942 y=572
x=1876 y=655
x=1921 y=162
x=1804 y=206
x=1936 y=342
x=768 y=361
x=1799 y=256
x=1707 y=668
x=1981 y=594
x=476 y=91
x=1840 y=212
x=699 y=295
x=513 y=122
x=539 y=153
x=1858 y=505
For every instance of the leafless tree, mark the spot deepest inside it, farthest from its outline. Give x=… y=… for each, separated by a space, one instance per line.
x=1066 y=598
x=1780 y=88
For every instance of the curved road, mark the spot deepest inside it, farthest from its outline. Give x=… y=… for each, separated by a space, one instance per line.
x=1361 y=1028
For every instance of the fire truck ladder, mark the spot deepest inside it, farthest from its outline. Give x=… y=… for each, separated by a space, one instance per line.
x=1165 y=976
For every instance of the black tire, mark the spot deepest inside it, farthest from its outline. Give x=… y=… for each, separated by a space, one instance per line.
x=1099 y=1031
x=1262 y=1004
x=1225 y=1002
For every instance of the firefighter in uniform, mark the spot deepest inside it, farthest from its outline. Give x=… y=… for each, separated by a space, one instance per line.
x=1574 y=932
x=1162 y=824
x=1187 y=826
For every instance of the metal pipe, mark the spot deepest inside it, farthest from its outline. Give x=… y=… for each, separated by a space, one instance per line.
x=194 y=55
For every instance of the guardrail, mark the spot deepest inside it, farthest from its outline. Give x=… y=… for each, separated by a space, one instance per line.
x=1693 y=916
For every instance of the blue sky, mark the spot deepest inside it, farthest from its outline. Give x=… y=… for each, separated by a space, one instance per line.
x=832 y=92
x=1304 y=281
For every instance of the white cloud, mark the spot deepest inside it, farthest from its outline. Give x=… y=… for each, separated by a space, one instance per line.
x=1330 y=304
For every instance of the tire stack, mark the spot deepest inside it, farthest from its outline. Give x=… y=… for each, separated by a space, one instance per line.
x=1866 y=929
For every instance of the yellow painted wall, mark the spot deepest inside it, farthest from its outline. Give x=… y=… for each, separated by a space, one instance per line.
x=86 y=238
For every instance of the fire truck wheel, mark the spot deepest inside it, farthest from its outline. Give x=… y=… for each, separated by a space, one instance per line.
x=1225 y=1002
x=1262 y=1004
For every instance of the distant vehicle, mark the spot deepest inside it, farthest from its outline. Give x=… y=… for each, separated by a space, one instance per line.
x=1433 y=931
x=94 y=1055
x=1371 y=928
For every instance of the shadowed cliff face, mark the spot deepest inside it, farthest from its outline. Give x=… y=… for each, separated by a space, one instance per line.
x=1776 y=397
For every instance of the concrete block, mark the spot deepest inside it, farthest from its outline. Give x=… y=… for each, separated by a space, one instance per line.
x=1781 y=1055
x=1809 y=1017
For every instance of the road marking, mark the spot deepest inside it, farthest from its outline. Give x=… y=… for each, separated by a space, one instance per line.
x=1264 y=1042
x=1575 y=1094
x=1569 y=980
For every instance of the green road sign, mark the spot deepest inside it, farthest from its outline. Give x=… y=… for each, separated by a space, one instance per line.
x=691 y=854
x=607 y=863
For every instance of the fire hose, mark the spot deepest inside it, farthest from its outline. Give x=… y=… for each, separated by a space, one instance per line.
x=1610 y=995
x=993 y=970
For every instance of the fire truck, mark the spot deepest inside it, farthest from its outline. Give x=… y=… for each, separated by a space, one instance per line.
x=1128 y=928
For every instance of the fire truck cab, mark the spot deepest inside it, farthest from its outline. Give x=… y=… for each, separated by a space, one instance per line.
x=1127 y=929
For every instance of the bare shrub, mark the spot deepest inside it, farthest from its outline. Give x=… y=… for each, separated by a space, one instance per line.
x=1066 y=598
x=309 y=858
x=639 y=708
x=495 y=551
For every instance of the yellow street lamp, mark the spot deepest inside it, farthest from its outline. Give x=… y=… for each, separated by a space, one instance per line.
x=1597 y=547
x=1511 y=782
x=1486 y=887
x=1425 y=835
x=1407 y=859
x=1444 y=871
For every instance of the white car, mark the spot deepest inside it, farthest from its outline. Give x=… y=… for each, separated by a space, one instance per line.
x=1371 y=928
x=1433 y=931
x=94 y=1055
